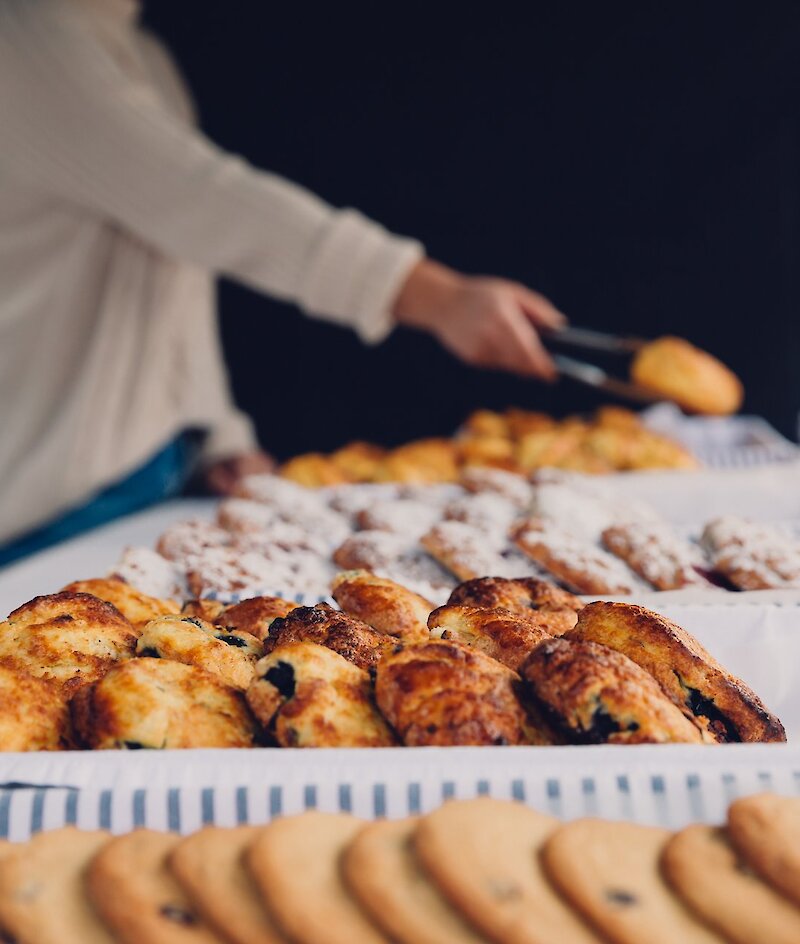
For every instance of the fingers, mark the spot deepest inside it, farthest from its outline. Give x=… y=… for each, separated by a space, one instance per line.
x=540 y=311
x=525 y=350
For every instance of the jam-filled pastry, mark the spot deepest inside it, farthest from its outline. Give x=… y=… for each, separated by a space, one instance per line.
x=575 y=562
x=752 y=556
x=468 y=552
x=687 y=673
x=384 y=604
x=506 y=637
x=594 y=695
x=657 y=555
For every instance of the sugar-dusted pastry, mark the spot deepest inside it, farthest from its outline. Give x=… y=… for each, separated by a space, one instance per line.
x=679 y=371
x=509 y=485
x=149 y=572
x=400 y=516
x=351 y=638
x=469 y=553
x=573 y=561
x=657 y=555
x=594 y=695
x=752 y=556
x=384 y=604
x=306 y=695
x=243 y=516
x=440 y=692
x=488 y=512
x=137 y=607
x=183 y=541
x=71 y=638
x=227 y=570
x=688 y=674
x=349 y=500
x=506 y=637
x=160 y=704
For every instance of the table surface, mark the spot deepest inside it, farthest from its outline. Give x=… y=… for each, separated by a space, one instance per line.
x=94 y=553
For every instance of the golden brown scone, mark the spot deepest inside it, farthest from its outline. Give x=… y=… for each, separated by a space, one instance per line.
x=617 y=417
x=313 y=470
x=679 y=371
x=385 y=605
x=33 y=713
x=421 y=462
x=595 y=695
x=489 y=451
x=306 y=695
x=689 y=675
x=548 y=447
x=487 y=423
x=358 y=461
x=442 y=693
x=156 y=703
x=505 y=636
x=254 y=616
x=138 y=608
x=522 y=422
x=72 y=638
x=654 y=451
x=231 y=656
x=322 y=624
x=521 y=595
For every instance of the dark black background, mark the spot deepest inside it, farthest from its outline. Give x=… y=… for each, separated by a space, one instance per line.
x=639 y=162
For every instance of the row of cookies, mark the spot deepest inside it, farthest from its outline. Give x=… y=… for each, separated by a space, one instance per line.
x=614 y=439
x=471 y=871
x=506 y=661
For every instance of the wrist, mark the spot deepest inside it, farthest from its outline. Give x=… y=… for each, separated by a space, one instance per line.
x=426 y=295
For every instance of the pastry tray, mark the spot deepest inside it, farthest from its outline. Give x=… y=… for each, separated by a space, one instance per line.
x=670 y=785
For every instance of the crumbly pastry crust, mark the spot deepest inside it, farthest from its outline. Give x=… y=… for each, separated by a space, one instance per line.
x=155 y=703
x=306 y=695
x=137 y=607
x=595 y=695
x=500 y=634
x=33 y=713
x=518 y=594
x=441 y=693
x=686 y=672
x=384 y=604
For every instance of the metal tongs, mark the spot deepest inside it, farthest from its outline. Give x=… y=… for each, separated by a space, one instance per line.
x=591 y=374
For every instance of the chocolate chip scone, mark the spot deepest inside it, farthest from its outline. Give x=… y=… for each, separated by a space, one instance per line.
x=155 y=703
x=137 y=607
x=71 y=638
x=322 y=624
x=687 y=673
x=306 y=695
x=384 y=604
x=521 y=595
x=441 y=693
x=231 y=656
x=594 y=695
x=505 y=636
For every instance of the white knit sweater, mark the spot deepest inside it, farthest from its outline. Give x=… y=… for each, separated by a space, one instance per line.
x=115 y=214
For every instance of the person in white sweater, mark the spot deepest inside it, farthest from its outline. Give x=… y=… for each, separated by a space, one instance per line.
x=116 y=215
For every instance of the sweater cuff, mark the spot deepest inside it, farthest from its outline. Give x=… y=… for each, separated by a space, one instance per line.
x=355 y=273
x=232 y=436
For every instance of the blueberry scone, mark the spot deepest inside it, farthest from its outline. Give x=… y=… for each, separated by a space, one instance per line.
x=686 y=672
x=441 y=693
x=505 y=636
x=33 y=713
x=253 y=616
x=306 y=695
x=157 y=703
x=137 y=607
x=231 y=656
x=593 y=695
x=71 y=638
x=351 y=638
x=384 y=604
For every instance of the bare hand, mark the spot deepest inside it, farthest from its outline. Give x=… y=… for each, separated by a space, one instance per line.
x=486 y=322
x=223 y=476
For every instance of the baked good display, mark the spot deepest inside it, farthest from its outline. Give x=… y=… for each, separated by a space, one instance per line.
x=595 y=695
x=752 y=556
x=468 y=871
x=384 y=604
x=679 y=371
x=136 y=606
x=521 y=595
x=253 y=616
x=467 y=552
x=657 y=555
x=686 y=672
x=33 y=713
x=613 y=440
x=161 y=704
x=306 y=695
